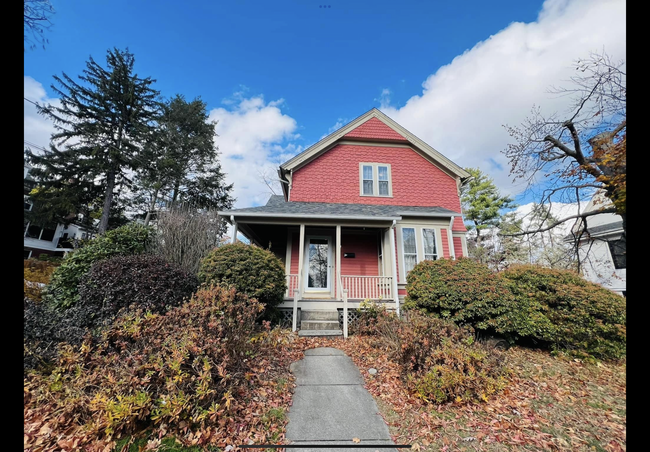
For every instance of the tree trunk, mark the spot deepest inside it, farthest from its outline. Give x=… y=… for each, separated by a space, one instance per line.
x=151 y=207
x=177 y=186
x=108 y=200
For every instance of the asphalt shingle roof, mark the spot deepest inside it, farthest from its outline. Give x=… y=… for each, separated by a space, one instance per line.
x=600 y=229
x=277 y=205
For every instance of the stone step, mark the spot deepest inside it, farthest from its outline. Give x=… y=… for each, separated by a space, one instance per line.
x=320 y=333
x=319 y=315
x=319 y=325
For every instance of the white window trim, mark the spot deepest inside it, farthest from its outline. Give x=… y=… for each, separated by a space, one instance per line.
x=435 y=243
x=417 y=251
x=375 y=179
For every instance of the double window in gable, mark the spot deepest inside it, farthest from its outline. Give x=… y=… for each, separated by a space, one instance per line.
x=375 y=179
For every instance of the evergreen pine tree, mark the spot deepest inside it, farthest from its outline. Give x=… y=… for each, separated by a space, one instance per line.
x=101 y=125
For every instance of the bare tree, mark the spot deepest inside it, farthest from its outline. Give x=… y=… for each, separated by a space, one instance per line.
x=580 y=152
x=186 y=235
x=36 y=19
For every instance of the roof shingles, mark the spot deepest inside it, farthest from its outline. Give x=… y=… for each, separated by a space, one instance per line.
x=277 y=205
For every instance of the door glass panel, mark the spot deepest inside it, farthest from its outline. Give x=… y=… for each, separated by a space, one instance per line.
x=318 y=264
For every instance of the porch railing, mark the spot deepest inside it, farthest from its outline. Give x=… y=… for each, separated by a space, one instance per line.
x=292 y=285
x=368 y=287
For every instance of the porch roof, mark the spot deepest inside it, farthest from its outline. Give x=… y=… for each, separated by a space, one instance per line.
x=278 y=207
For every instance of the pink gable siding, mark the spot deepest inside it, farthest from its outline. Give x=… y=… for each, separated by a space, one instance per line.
x=295 y=244
x=374 y=128
x=458 y=247
x=416 y=181
x=366 y=256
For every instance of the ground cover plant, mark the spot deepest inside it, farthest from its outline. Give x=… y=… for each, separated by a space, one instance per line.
x=197 y=373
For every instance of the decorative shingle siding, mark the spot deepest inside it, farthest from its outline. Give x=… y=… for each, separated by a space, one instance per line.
x=458 y=247
x=334 y=177
x=445 y=243
x=295 y=244
x=366 y=256
x=375 y=129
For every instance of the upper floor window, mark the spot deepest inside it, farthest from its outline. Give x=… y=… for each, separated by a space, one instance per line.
x=617 y=249
x=375 y=179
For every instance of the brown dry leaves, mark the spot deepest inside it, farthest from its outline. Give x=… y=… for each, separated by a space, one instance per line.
x=550 y=404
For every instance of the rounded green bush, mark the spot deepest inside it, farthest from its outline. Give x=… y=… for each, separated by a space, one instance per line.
x=62 y=292
x=463 y=290
x=585 y=318
x=254 y=271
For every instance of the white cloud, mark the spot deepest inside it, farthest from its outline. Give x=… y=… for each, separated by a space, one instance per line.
x=558 y=211
x=36 y=128
x=464 y=105
x=253 y=137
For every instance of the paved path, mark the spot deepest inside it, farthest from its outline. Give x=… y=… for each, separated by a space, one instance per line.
x=331 y=406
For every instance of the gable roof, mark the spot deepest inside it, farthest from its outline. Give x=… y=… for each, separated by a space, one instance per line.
x=375 y=129
x=371 y=125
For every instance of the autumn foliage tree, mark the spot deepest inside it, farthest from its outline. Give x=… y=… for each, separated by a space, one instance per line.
x=583 y=150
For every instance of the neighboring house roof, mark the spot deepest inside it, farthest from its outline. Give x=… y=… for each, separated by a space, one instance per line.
x=278 y=207
x=372 y=125
x=603 y=229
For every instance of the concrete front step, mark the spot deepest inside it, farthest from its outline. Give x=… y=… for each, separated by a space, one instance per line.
x=319 y=315
x=319 y=325
x=319 y=333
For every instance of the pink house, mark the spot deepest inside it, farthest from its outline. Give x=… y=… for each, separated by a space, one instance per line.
x=359 y=209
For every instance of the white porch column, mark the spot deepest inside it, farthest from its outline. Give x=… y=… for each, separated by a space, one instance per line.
x=301 y=253
x=234 y=229
x=393 y=264
x=338 y=262
x=452 y=252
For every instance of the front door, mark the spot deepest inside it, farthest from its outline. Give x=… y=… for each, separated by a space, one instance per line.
x=318 y=264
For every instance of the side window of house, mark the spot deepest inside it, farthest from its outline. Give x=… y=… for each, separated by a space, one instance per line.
x=617 y=249
x=409 y=249
x=429 y=244
x=376 y=179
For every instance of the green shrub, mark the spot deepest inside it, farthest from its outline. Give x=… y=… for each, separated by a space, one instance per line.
x=125 y=240
x=142 y=281
x=576 y=315
x=463 y=290
x=165 y=373
x=254 y=271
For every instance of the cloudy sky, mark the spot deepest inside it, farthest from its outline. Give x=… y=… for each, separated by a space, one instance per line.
x=278 y=76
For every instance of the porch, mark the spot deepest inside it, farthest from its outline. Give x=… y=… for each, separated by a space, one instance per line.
x=330 y=265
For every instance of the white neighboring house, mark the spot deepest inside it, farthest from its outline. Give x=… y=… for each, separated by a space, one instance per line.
x=601 y=246
x=54 y=240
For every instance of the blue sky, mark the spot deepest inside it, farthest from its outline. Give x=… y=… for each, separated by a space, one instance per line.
x=278 y=75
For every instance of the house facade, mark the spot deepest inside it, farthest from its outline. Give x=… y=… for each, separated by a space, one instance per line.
x=602 y=246
x=359 y=209
x=53 y=239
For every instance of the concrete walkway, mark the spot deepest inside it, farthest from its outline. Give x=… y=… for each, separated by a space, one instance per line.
x=331 y=406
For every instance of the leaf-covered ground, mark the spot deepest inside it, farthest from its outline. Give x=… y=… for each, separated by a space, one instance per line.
x=551 y=403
